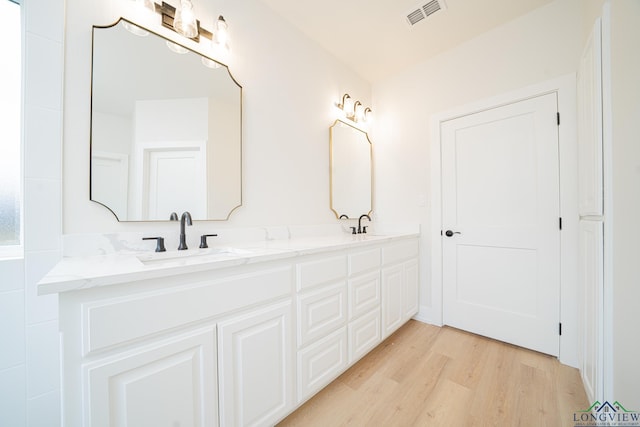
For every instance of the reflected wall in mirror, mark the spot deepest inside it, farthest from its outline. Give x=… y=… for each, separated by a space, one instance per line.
x=166 y=129
x=351 y=170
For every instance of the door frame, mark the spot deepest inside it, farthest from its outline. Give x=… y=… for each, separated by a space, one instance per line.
x=565 y=89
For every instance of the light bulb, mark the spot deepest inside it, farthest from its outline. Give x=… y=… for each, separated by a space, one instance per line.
x=347 y=107
x=176 y=48
x=368 y=115
x=359 y=112
x=185 y=21
x=210 y=63
x=134 y=29
x=221 y=36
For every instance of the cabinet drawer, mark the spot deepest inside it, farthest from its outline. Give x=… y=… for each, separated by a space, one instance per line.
x=118 y=320
x=364 y=334
x=364 y=294
x=320 y=312
x=400 y=251
x=312 y=273
x=363 y=261
x=321 y=362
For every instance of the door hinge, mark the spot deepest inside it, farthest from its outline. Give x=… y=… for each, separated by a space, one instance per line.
x=559 y=328
x=560 y=223
x=558 y=118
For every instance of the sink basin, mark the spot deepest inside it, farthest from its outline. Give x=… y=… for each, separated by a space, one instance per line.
x=163 y=257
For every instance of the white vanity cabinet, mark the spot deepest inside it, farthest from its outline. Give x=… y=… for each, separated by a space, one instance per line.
x=238 y=343
x=207 y=349
x=400 y=281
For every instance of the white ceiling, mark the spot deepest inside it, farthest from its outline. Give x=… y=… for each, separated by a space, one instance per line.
x=373 y=36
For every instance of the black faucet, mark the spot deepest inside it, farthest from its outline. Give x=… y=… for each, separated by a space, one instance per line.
x=360 y=228
x=186 y=217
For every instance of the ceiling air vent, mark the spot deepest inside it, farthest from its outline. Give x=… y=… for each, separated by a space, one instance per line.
x=424 y=11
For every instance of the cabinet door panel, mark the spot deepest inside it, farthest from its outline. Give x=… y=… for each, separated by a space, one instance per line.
x=410 y=301
x=364 y=334
x=165 y=384
x=364 y=294
x=321 y=312
x=392 y=313
x=255 y=366
x=321 y=362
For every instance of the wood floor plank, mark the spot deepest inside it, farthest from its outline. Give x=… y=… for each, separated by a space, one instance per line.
x=424 y=375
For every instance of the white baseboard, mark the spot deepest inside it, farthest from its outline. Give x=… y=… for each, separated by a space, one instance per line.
x=426 y=315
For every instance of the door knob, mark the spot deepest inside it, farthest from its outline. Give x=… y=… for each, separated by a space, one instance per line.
x=450 y=233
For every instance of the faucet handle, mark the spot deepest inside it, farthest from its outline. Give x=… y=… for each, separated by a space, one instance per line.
x=203 y=240
x=353 y=230
x=364 y=228
x=159 y=243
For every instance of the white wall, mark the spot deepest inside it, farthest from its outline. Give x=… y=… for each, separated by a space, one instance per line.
x=544 y=44
x=29 y=360
x=289 y=88
x=625 y=68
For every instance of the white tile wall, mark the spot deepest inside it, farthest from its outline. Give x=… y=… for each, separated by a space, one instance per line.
x=12 y=329
x=43 y=73
x=43 y=359
x=12 y=397
x=12 y=275
x=45 y=17
x=30 y=392
x=44 y=410
x=39 y=308
x=42 y=215
x=42 y=129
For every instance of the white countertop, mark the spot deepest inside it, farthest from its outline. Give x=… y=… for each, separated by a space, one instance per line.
x=81 y=272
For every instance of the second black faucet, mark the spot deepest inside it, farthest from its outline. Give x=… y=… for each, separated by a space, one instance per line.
x=186 y=217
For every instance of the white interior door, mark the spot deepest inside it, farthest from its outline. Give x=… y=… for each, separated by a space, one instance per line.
x=500 y=205
x=176 y=181
x=109 y=181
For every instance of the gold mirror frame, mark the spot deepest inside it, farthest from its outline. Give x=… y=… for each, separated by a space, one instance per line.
x=350 y=171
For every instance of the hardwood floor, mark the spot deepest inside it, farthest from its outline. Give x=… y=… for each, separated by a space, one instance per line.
x=428 y=376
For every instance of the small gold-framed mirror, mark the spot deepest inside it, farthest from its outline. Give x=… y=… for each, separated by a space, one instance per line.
x=351 y=170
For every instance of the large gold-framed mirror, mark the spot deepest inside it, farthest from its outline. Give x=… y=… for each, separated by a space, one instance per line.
x=166 y=128
x=351 y=170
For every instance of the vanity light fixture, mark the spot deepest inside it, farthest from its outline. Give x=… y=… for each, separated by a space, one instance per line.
x=183 y=21
x=354 y=111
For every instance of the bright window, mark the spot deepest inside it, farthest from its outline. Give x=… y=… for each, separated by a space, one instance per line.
x=10 y=125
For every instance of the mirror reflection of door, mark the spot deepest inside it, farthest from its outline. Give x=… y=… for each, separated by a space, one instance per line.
x=351 y=170
x=174 y=177
x=111 y=184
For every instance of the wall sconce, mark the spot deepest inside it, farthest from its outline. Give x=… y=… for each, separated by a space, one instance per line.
x=354 y=111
